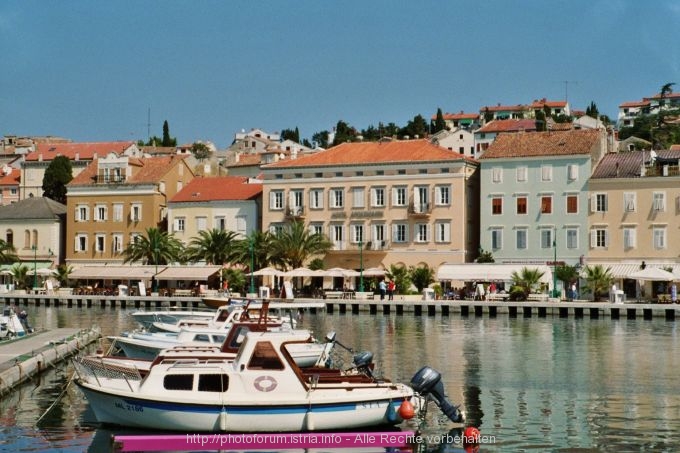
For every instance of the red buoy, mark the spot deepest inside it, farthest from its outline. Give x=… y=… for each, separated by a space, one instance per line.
x=471 y=435
x=406 y=410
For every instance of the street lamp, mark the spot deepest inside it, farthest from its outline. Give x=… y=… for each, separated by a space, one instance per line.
x=155 y=280
x=361 y=266
x=252 y=266
x=555 y=265
x=35 y=266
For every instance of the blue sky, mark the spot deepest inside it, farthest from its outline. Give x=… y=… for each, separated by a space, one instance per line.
x=91 y=70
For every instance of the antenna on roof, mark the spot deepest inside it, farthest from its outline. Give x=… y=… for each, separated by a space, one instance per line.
x=148 y=123
x=566 y=88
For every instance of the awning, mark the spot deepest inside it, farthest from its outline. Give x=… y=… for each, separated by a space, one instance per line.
x=470 y=272
x=114 y=272
x=201 y=273
x=623 y=270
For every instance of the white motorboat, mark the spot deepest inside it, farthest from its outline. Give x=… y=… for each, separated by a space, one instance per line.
x=146 y=318
x=260 y=390
x=13 y=324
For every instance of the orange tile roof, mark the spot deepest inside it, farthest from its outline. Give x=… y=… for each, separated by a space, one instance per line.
x=85 y=151
x=508 y=126
x=538 y=144
x=373 y=153
x=675 y=148
x=634 y=104
x=458 y=116
x=218 y=188
x=503 y=108
x=245 y=160
x=538 y=104
x=146 y=170
x=13 y=178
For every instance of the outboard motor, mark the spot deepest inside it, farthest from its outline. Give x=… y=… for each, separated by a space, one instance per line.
x=363 y=361
x=427 y=382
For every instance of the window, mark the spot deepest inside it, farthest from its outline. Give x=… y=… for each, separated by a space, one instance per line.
x=100 y=243
x=572 y=238
x=443 y=195
x=295 y=200
x=629 y=238
x=338 y=236
x=399 y=232
x=546 y=204
x=336 y=200
x=117 y=244
x=659 y=237
x=201 y=223
x=316 y=228
x=117 y=212
x=521 y=173
x=136 y=213
x=276 y=228
x=81 y=243
x=599 y=238
x=572 y=204
x=399 y=196
x=496 y=239
x=178 y=382
x=546 y=173
x=358 y=197
x=421 y=201
x=316 y=198
x=496 y=175
x=546 y=238
x=378 y=236
x=442 y=231
x=378 y=197
x=179 y=224
x=220 y=223
x=572 y=172
x=265 y=357
x=100 y=211
x=497 y=206
x=276 y=200
x=213 y=382
x=422 y=230
x=82 y=213
x=241 y=223
x=521 y=239
x=357 y=233
x=598 y=202
x=629 y=201
x=521 y=205
x=659 y=201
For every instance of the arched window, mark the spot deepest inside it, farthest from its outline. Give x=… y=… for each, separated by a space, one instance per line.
x=35 y=239
x=27 y=239
x=10 y=237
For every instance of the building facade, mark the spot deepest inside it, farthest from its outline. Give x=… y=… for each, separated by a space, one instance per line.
x=380 y=203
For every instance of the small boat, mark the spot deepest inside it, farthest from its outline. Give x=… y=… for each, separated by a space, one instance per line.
x=12 y=324
x=262 y=389
x=146 y=318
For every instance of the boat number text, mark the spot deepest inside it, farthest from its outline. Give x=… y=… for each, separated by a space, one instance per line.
x=265 y=383
x=129 y=407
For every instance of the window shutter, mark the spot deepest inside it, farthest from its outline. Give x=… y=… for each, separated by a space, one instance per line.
x=593 y=203
x=593 y=239
x=272 y=200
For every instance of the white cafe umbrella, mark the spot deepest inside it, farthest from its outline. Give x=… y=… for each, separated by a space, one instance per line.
x=374 y=272
x=653 y=274
x=43 y=272
x=301 y=272
x=268 y=271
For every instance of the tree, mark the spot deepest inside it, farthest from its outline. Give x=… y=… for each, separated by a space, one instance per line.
x=541 y=121
x=7 y=253
x=294 y=245
x=421 y=276
x=598 y=280
x=344 y=133
x=19 y=273
x=289 y=134
x=201 y=151
x=57 y=175
x=485 y=257
x=262 y=250
x=167 y=140
x=566 y=274
x=526 y=280
x=62 y=273
x=401 y=277
x=214 y=247
x=156 y=247
x=235 y=278
x=592 y=110
x=416 y=127
x=488 y=115
x=439 y=123
x=320 y=139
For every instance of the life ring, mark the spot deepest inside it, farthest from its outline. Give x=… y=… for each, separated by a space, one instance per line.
x=265 y=383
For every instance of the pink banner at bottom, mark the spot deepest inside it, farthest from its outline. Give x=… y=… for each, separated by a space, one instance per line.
x=186 y=442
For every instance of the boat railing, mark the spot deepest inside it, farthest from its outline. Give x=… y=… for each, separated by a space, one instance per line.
x=97 y=368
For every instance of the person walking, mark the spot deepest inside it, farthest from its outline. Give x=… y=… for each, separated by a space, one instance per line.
x=383 y=289
x=391 y=286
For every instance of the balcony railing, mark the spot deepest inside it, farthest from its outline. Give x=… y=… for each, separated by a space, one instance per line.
x=419 y=209
x=295 y=212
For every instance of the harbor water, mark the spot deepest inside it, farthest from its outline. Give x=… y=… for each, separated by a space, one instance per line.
x=529 y=384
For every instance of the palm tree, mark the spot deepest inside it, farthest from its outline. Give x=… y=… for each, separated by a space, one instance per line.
x=401 y=277
x=19 y=273
x=261 y=250
x=296 y=244
x=7 y=253
x=421 y=276
x=157 y=247
x=61 y=273
x=527 y=280
x=213 y=246
x=567 y=274
x=598 y=280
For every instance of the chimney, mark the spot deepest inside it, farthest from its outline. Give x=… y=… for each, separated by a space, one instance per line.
x=617 y=169
x=40 y=158
x=94 y=156
x=77 y=156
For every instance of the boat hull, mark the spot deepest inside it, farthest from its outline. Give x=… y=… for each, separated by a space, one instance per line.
x=135 y=412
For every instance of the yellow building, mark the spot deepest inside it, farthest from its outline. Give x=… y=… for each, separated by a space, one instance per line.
x=380 y=203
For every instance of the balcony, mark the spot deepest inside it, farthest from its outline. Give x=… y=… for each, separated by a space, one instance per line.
x=295 y=212
x=419 y=209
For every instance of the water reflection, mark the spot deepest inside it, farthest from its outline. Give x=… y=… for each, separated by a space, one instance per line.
x=534 y=384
